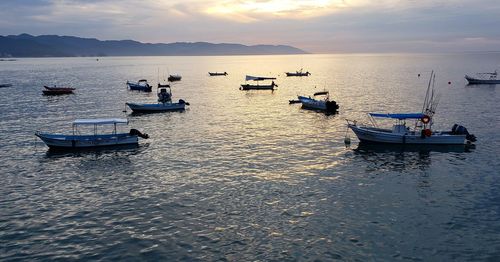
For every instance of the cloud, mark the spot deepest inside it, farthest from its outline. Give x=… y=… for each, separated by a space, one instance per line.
x=317 y=26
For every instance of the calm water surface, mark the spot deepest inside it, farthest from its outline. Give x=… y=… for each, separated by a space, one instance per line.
x=244 y=175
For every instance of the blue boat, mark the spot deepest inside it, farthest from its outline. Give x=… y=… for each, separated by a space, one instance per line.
x=78 y=141
x=141 y=85
x=164 y=103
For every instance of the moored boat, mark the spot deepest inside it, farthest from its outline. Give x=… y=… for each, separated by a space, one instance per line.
x=141 y=85
x=483 y=78
x=173 y=78
x=257 y=86
x=217 y=74
x=298 y=73
x=57 y=90
x=422 y=132
x=78 y=141
x=164 y=103
x=323 y=104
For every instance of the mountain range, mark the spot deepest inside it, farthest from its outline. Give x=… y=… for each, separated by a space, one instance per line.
x=25 y=45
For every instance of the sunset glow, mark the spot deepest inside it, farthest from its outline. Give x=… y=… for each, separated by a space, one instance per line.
x=256 y=10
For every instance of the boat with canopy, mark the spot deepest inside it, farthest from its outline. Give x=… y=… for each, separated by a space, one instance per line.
x=141 y=85
x=483 y=78
x=421 y=133
x=321 y=101
x=78 y=141
x=257 y=86
x=164 y=93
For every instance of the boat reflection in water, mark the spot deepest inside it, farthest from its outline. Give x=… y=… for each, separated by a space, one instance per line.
x=404 y=157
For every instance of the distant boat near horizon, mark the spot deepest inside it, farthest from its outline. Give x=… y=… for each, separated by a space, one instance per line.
x=5 y=85
x=483 y=78
x=57 y=90
x=298 y=73
x=173 y=78
x=257 y=86
x=217 y=74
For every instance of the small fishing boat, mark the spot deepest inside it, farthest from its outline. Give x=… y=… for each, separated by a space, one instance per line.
x=57 y=90
x=217 y=74
x=323 y=104
x=483 y=78
x=422 y=132
x=173 y=78
x=5 y=85
x=78 y=141
x=257 y=86
x=141 y=85
x=164 y=102
x=298 y=73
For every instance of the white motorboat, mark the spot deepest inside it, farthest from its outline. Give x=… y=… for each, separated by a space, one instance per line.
x=483 y=78
x=164 y=102
x=323 y=104
x=421 y=133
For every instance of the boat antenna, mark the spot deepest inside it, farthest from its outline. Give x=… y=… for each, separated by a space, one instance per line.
x=427 y=92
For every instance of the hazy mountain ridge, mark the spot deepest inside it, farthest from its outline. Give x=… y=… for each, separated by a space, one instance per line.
x=25 y=45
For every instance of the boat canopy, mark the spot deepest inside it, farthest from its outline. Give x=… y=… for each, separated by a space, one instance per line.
x=399 y=116
x=100 y=121
x=258 y=78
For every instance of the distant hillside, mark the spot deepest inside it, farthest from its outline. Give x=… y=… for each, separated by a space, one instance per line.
x=25 y=45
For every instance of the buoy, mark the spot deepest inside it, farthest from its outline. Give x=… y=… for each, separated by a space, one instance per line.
x=449 y=82
x=418 y=75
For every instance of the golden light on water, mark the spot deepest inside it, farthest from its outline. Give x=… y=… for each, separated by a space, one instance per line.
x=254 y=10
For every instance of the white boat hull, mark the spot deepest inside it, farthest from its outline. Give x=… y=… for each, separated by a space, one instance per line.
x=473 y=81
x=86 y=141
x=374 y=135
x=152 y=108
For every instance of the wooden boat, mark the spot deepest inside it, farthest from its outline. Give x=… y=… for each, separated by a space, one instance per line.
x=5 y=85
x=324 y=104
x=298 y=73
x=164 y=102
x=217 y=74
x=173 y=78
x=422 y=132
x=258 y=86
x=57 y=90
x=483 y=78
x=78 y=141
x=141 y=85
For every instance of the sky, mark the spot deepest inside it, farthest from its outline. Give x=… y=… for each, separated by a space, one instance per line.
x=321 y=26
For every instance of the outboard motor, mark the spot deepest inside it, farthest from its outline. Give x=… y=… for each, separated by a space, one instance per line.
x=135 y=132
x=331 y=106
x=461 y=130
